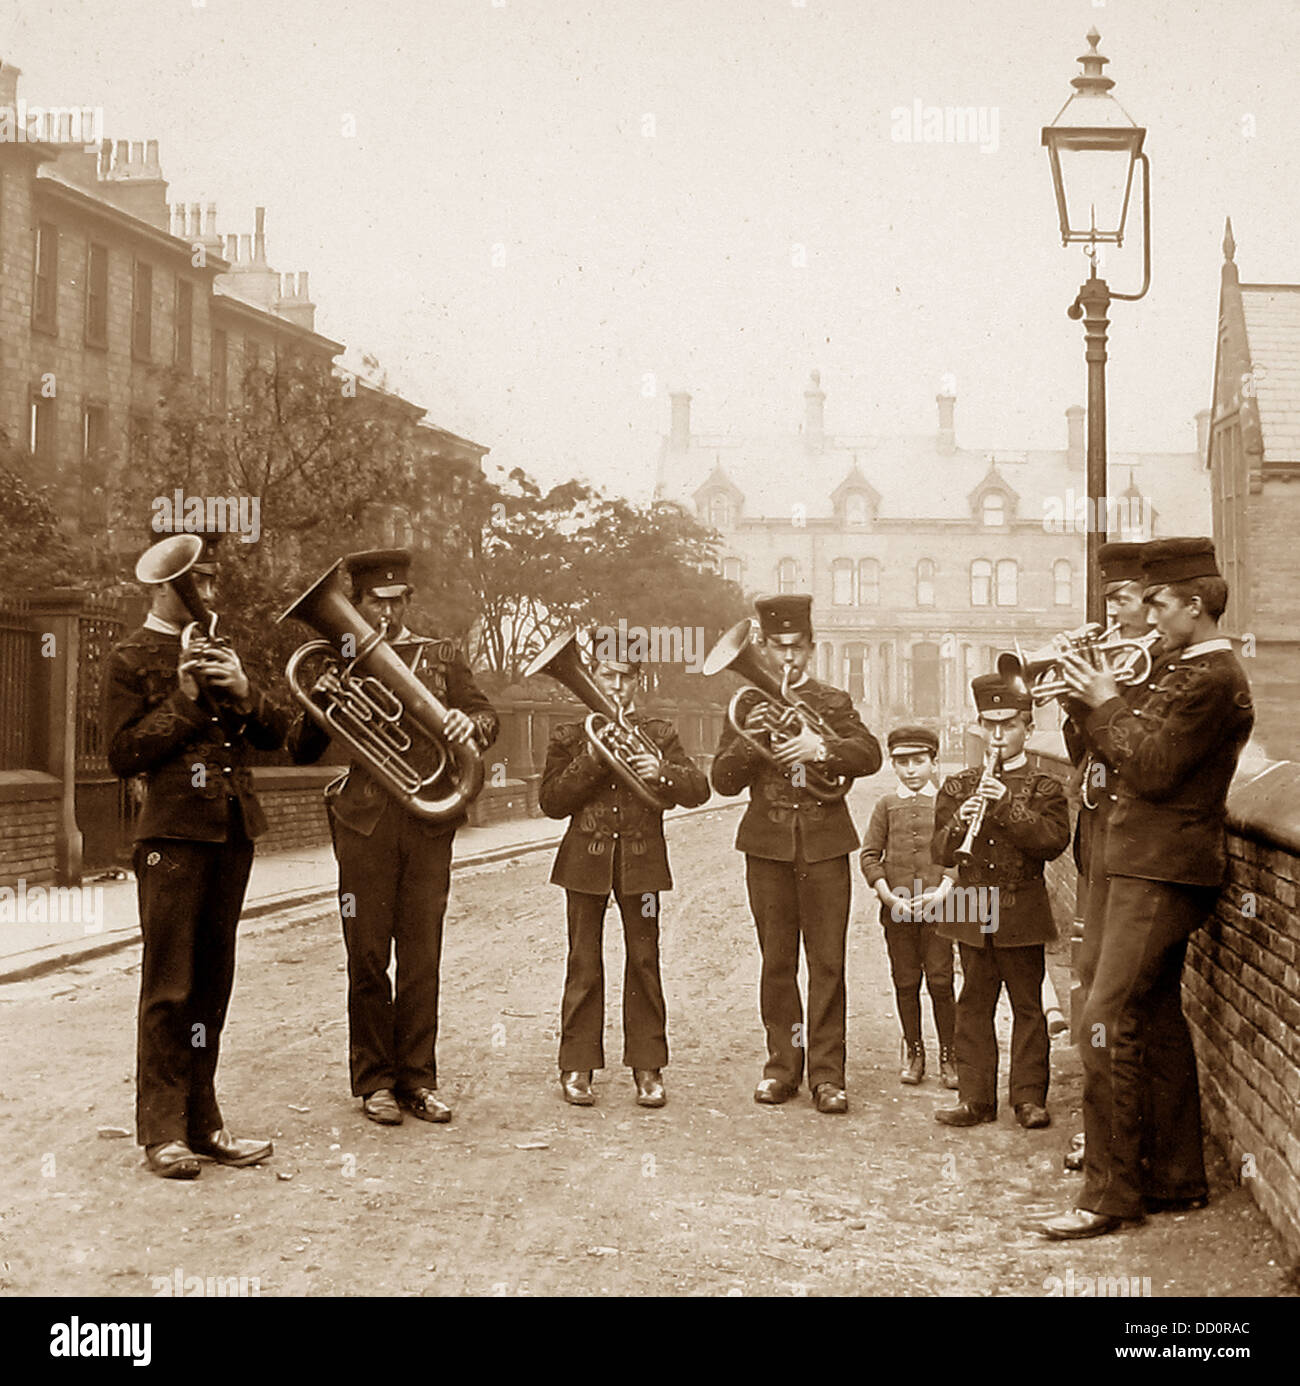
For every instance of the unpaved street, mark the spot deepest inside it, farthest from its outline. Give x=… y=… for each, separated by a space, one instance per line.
x=524 y=1195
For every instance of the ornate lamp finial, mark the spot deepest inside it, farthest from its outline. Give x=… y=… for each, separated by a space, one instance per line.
x=1229 y=244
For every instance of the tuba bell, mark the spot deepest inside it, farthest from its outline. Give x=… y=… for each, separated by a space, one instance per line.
x=376 y=705
x=171 y=561
x=787 y=714
x=610 y=735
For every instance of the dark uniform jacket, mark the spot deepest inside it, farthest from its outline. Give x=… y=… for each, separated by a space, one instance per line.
x=779 y=813
x=360 y=801
x=615 y=841
x=1029 y=826
x=154 y=730
x=1174 y=756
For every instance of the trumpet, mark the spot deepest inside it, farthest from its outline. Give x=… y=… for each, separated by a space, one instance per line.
x=787 y=715
x=1126 y=660
x=612 y=738
x=172 y=561
x=992 y=766
x=376 y=705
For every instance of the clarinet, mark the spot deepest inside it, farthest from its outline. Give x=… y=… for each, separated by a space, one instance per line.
x=992 y=766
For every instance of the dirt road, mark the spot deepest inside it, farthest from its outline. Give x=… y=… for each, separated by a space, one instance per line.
x=522 y=1194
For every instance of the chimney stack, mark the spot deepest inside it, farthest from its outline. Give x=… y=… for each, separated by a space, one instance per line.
x=814 y=414
x=1074 y=417
x=680 y=436
x=1203 y=433
x=947 y=402
x=259 y=237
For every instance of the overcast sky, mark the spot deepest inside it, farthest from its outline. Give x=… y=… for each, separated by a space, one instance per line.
x=548 y=203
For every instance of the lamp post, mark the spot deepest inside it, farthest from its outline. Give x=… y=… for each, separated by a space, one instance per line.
x=1093 y=146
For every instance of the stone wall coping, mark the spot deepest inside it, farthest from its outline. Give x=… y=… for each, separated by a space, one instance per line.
x=23 y=786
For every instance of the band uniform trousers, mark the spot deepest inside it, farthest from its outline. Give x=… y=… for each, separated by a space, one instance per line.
x=917 y=950
x=393 y=887
x=984 y=972
x=809 y=901
x=1142 y=1107
x=190 y=896
x=582 y=1014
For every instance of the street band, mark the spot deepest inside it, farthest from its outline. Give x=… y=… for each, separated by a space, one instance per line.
x=1157 y=711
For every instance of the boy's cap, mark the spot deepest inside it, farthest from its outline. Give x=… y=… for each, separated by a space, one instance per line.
x=1177 y=560
x=904 y=741
x=998 y=698
x=1120 y=563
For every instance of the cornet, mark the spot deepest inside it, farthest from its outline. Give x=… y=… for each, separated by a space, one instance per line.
x=1126 y=660
x=787 y=715
x=612 y=738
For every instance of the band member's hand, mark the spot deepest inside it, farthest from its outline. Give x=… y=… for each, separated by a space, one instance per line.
x=1094 y=686
x=970 y=808
x=990 y=788
x=459 y=728
x=189 y=685
x=645 y=765
x=221 y=667
x=805 y=747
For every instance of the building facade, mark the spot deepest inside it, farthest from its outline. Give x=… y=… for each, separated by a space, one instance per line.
x=925 y=559
x=1254 y=465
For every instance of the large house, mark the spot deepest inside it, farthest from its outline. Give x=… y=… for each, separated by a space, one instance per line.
x=924 y=558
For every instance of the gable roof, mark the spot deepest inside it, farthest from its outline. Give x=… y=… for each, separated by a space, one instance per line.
x=1272 y=320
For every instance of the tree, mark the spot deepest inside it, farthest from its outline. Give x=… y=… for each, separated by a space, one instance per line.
x=35 y=552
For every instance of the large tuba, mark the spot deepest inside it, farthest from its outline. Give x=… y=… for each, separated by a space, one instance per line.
x=1128 y=661
x=787 y=714
x=375 y=704
x=610 y=735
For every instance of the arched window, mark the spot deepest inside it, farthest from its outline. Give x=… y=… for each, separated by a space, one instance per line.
x=720 y=510
x=787 y=575
x=1062 y=582
x=981 y=578
x=1007 y=584
x=869 y=582
x=994 y=509
x=731 y=570
x=856 y=510
x=842 y=593
x=925 y=582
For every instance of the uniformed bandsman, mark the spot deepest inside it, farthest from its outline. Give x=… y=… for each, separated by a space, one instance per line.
x=797 y=863
x=1005 y=919
x=614 y=844
x=1174 y=754
x=186 y=726
x=395 y=868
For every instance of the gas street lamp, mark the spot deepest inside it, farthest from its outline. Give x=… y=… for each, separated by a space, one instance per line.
x=1093 y=146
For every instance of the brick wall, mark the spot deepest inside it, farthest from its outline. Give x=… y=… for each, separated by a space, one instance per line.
x=28 y=813
x=292 y=798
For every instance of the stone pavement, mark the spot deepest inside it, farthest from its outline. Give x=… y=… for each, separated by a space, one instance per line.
x=103 y=917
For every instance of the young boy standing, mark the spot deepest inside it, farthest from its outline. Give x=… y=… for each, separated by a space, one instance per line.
x=897 y=862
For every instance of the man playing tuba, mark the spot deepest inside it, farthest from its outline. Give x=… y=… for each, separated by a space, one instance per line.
x=614 y=843
x=394 y=867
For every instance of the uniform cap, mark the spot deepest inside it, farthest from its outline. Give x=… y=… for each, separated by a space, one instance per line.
x=383 y=572
x=787 y=615
x=1000 y=698
x=1177 y=560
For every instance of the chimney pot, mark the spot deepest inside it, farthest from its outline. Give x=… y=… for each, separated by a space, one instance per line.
x=212 y=221
x=947 y=437
x=196 y=221
x=151 y=159
x=1074 y=430
x=232 y=248
x=246 y=247
x=680 y=436
x=302 y=286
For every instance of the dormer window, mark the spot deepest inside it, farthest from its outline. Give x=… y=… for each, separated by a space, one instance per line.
x=857 y=509
x=993 y=510
x=720 y=510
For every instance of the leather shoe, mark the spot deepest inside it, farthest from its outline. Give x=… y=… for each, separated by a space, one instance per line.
x=829 y=1098
x=649 y=1087
x=772 y=1092
x=172 y=1160
x=965 y=1114
x=948 y=1070
x=1174 y=1205
x=913 y=1065
x=1079 y=1223
x=1074 y=1156
x=1031 y=1116
x=381 y=1106
x=222 y=1147
x=577 y=1088
x=424 y=1103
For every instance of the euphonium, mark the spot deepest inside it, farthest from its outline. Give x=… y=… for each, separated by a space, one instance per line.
x=375 y=704
x=1127 y=661
x=171 y=560
x=610 y=735
x=787 y=714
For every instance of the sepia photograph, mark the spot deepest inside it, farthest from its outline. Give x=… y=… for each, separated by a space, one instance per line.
x=646 y=654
